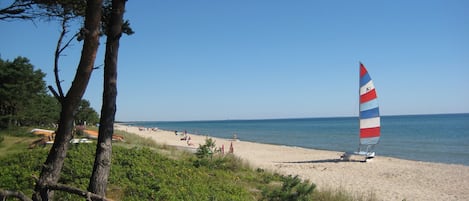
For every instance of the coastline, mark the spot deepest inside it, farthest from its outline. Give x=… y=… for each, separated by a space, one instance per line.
x=386 y=177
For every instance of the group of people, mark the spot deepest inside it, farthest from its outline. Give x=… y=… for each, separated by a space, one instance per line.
x=187 y=138
x=230 y=151
x=147 y=129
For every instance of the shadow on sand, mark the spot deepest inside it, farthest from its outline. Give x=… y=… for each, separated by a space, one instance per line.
x=322 y=161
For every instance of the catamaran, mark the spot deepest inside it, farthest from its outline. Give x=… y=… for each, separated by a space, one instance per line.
x=370 y=124
x=369 y=119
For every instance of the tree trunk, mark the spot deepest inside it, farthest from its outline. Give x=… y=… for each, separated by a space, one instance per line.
x=53 y=166
x=102 y=163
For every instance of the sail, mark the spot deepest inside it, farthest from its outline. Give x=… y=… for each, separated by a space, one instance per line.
x=369 y=110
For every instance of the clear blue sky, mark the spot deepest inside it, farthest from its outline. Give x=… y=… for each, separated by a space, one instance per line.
x=249 y=59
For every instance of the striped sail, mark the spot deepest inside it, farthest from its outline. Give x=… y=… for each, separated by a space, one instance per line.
x=369 y=110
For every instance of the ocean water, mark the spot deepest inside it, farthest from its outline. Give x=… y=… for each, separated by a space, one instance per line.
x=434 y=138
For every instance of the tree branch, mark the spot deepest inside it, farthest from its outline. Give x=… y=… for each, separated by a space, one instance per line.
x=58 y=187
x=17 y=10
x=6 y=193
x=56 y=95
x=76 y=191
x=58 y=50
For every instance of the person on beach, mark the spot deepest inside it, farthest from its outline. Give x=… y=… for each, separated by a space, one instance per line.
x=189 y=143
x=231 y=148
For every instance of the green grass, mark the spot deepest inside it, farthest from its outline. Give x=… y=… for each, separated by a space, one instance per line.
x=15 y=141
x=143 y=170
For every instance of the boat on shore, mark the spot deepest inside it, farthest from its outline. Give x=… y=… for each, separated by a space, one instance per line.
x=369 y=118
x=94 y=135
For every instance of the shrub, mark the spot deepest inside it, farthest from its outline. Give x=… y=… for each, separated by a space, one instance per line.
x=20 y=170
x=207 y=149
x=292 y=189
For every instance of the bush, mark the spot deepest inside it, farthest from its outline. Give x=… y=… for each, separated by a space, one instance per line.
x=292 y=189
x=207 y=149
x=20 y=170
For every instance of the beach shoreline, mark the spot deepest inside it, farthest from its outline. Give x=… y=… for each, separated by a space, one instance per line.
x=386 y=177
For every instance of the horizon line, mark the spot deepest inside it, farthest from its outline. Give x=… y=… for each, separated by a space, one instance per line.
x=289 y=118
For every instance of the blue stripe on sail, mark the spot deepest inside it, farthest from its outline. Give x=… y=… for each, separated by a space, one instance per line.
x=369 y=105
x=365 y=79
x=369 y=113
x=372 y=140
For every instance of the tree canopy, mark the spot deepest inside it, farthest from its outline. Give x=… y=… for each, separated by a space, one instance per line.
x=21 y=86
x=86 y=114
x=24 y=100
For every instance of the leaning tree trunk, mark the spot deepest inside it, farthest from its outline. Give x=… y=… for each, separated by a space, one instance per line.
x=53 y=166
x=102 y=163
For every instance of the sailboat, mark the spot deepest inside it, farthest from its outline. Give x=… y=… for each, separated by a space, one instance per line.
x=369 y=119
x=370 y=123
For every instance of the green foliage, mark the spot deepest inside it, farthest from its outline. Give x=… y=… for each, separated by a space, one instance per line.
x=15 y=140
x=136 y=174
x=45 y=111
x=292 y=189
x=21 y=87
x=68 y=8
x=207 y=149
x=16 y=131
x=20 y=170
x=86 y=113
x=24 y=100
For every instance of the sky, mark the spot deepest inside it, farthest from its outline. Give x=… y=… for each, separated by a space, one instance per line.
x=263 y=59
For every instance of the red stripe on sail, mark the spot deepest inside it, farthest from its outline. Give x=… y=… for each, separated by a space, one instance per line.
x=368 y=96
x=370 y=132
x=362 y=70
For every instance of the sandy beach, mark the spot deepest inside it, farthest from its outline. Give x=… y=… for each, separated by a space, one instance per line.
x=387 y=178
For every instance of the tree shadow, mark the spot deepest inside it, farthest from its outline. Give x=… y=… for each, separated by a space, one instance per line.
x=338 y=160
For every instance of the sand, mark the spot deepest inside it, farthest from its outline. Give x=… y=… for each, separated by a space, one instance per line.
x=385 y=177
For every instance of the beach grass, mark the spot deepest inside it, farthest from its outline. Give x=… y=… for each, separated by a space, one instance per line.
x=15 y=140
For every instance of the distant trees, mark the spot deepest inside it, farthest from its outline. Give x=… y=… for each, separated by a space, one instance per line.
x=24 y=100
x=86 y=114
x=23 y=96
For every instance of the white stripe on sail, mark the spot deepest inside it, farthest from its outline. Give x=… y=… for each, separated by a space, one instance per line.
x=369 y=105
x=370 y=123
x=366 y=141
x=367 y=87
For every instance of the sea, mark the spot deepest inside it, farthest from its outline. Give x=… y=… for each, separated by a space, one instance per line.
x=441 y=138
